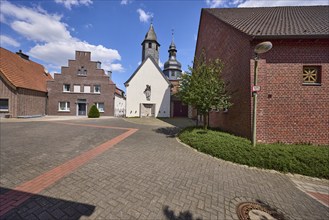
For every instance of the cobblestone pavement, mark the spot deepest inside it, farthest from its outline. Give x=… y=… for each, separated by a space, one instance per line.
x=107 y=169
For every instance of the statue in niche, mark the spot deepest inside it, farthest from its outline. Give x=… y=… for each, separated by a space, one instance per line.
x=147 y=92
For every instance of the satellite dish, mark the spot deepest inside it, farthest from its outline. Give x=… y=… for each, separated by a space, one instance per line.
x=263 y=47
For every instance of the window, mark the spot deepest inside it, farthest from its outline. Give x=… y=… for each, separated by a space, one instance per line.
x=86 y=89
x=156 y=48
x=97 y=89
x=312 y=75
x=76 y=88
x=64 y=106
x=4 y=105
x=82 y=71
x=150 y=45
x=100 y=106
x=66 y=88
x=173 y=73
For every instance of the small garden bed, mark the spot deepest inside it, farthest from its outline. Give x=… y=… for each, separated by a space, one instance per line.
x=302 y=159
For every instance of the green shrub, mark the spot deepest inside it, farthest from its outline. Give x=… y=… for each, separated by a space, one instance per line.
x=93 y=112
x=303 y=159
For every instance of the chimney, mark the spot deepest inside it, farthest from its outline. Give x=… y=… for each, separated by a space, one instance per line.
x=22 y=55
x=109 y=73
x=98 y=64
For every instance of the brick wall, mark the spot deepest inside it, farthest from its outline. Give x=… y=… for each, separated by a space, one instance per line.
x=231 y=46
x=23 y=102
x=289 y=111
x=7 y=92
x=95 y=76
x=30 y=102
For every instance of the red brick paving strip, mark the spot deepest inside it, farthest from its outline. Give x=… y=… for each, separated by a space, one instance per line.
x=14 y=198
x=323 y=198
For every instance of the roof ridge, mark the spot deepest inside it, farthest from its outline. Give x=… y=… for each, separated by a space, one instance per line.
x=296 y=21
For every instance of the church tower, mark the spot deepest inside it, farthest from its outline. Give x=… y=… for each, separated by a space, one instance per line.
x=150 y=45
x=172 y=68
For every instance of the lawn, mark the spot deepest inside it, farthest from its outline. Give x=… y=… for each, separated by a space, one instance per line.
x=302 y=159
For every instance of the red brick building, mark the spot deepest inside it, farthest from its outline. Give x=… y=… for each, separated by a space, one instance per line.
x=79 y=86
x=23 y=91
x=293 y=104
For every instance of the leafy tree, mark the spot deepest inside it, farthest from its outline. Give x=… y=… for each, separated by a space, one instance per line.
x=93 y=112
x=203 y=88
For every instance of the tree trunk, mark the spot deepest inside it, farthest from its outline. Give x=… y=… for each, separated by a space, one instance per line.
x=205 y=121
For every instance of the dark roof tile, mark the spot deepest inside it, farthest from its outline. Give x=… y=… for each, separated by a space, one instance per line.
x=277 y=21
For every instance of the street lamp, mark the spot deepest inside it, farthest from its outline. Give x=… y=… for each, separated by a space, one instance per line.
x=259 y=49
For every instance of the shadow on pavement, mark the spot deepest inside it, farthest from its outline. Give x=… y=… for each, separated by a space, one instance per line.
x=177 y=125
x=42 y=207
x=274 y=212
x=170 y=132
x=170 y=215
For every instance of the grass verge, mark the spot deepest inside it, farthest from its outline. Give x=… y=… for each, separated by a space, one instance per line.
x=302 y=159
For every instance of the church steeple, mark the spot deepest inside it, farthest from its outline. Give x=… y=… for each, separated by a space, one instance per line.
x=150 y=45
x=172 y=68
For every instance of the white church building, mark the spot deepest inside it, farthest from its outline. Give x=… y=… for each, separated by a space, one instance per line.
x=148 y=89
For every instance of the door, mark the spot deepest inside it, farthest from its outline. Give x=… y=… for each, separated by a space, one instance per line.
x=147 y=110
x=82 y=109
x=180 y=110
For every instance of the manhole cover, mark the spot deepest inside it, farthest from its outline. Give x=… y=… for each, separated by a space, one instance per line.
x=254 y=211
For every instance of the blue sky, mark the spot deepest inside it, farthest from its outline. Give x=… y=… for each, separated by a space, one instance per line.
x=50 y=31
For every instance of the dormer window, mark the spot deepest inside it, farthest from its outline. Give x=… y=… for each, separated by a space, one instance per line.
x=82 y=71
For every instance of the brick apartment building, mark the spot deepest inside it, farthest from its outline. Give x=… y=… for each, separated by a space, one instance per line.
x=23 y=91
x=79 y=86
x=293 y=103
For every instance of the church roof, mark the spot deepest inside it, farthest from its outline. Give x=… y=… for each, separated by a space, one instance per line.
x=278 y=22
x=136 y=71
x=150 y=35
x=172 y=62
x=172 y=45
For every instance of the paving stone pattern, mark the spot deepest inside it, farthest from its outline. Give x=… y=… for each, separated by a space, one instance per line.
x=150 y=175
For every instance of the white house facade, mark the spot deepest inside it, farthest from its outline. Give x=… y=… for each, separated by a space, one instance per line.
x=148 y=89
x=148 y=92
x=119 y=103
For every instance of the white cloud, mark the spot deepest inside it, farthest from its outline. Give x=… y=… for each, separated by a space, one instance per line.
x=69 y=3
x=116 y=67
x=59 y=53
x=214 y=3
x=88 y=25
x=34 y=24
x=236 y=2
x=2 y=18
x=160 y=64
x=266 y=3
x=125 y=2
x=144 y=16
x=54 y=43
x=5 y=40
